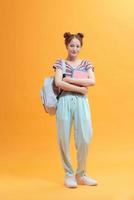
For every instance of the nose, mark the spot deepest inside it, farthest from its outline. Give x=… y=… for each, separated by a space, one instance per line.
x=74 y=50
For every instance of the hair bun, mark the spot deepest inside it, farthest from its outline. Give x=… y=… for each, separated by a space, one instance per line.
x=80 y=35
x=67 y=34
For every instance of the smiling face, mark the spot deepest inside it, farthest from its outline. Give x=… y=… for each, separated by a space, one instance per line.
x=74 y=47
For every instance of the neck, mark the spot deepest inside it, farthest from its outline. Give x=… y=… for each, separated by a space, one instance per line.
x=71 y=58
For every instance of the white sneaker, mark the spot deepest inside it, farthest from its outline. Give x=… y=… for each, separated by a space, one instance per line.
x=70 y=181
x=85 y=180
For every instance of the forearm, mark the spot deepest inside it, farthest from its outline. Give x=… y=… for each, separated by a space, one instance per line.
x=82 y=82
x=69 y=87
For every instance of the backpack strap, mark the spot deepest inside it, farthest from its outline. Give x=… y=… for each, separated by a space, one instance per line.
x=63 y=75
x=64 y=66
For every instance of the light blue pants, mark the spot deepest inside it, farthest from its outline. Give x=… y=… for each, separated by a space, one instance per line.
x=74 y=107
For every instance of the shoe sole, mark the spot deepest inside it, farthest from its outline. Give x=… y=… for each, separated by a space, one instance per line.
x=71 y=186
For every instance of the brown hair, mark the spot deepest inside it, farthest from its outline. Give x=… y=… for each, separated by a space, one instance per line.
x=68 y=37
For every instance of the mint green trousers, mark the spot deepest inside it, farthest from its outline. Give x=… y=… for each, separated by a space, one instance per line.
x=74 y=107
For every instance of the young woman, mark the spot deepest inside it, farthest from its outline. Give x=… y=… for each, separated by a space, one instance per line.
x=72 y=106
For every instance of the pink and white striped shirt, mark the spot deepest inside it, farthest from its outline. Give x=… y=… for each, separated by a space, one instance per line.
x=79 y=71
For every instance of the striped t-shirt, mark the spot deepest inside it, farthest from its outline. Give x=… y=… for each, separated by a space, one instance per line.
x=83 y=66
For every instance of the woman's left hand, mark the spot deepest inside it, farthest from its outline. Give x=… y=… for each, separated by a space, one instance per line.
x=67 y=79
x=70 y=80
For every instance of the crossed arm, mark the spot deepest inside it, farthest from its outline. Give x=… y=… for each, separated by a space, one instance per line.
x=82 y=82
x=74 y=84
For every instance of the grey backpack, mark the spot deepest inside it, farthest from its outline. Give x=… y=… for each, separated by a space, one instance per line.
x=50 y=93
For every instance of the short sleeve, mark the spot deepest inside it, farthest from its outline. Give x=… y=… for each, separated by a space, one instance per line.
x=57 y=64
x=89 y=65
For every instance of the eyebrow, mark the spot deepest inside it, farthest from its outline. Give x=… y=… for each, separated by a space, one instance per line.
x=76 y=44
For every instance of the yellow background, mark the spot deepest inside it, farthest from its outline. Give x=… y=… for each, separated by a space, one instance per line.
x=31 y=35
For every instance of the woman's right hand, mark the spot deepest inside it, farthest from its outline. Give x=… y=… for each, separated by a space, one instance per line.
x=84 y=90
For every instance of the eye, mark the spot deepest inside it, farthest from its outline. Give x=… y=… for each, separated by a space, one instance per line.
x=74 y=45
